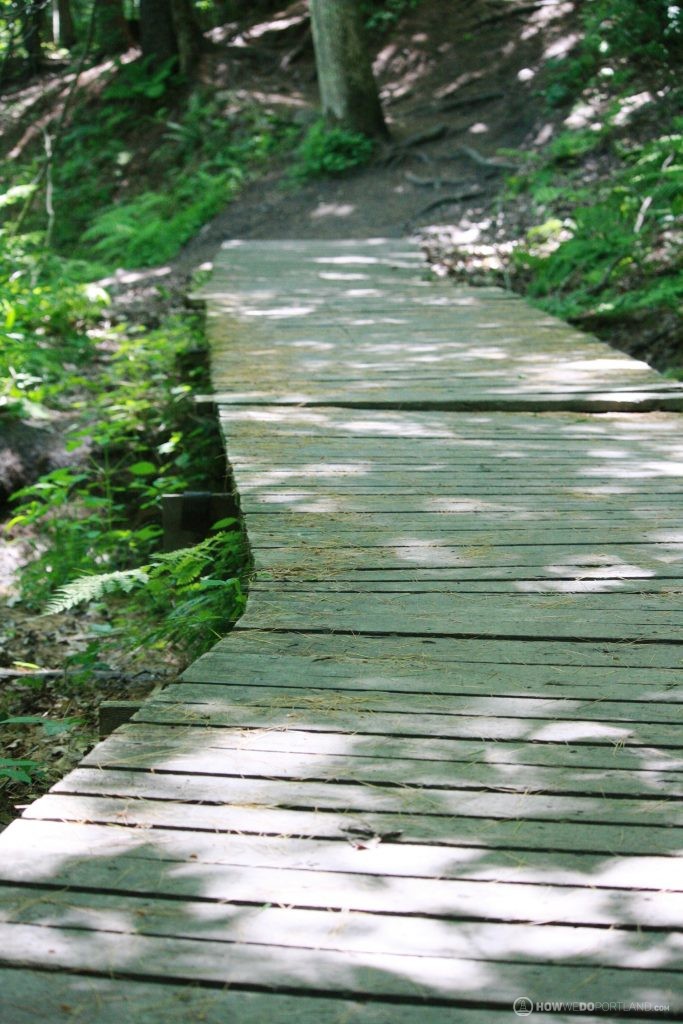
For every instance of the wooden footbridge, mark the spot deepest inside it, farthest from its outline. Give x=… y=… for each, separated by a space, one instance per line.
x=437 y=767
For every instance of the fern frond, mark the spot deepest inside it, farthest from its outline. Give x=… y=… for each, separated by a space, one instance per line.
x=90 y=588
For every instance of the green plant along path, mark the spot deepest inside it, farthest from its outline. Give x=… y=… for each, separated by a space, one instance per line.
x=610 y=248
x=138 y=436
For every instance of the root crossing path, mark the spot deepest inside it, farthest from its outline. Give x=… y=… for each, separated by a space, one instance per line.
x=437 y=767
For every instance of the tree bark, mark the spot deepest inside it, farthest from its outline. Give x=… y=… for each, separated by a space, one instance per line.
x=31 y=35
x=111 y=29
x=63 y=31
x=157 y=35
x=187 y=33
x=169 y=28
x=348 y=92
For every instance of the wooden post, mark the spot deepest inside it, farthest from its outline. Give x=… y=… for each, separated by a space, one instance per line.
x=187 y=518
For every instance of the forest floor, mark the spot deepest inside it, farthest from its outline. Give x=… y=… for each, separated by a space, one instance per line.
x=459 y=83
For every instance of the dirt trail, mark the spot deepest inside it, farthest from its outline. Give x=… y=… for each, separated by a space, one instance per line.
x=470 y=78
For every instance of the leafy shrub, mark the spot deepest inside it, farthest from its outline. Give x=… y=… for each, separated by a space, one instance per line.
x=330 y=151
x=151 y=228
x=144 y=439
x=141 y=78
x=620 y=251
x=45 y=311
x=196 y=593
x=381 y=15
x=624 y=36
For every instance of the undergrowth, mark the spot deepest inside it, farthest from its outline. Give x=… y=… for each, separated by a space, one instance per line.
x=138 y=436
x=203 y=159
x=613 y=247
x=135 y=434
x=137 y=171
x=607 y=191
x=331 y=151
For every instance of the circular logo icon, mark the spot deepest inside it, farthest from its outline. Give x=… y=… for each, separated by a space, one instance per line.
x=523 y=1006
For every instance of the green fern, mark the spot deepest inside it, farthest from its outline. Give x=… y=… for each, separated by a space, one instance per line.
x=91 y=588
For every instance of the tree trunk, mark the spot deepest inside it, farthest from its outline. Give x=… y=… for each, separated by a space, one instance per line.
x=111 y=29
x=188 y=35
x=348 y=92
x=63 y=31
x=157 y=35
x=31 y=36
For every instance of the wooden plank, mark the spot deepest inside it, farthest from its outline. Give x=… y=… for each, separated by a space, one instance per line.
x=490 y=580
x=25 y=995
x=342 y=930
x=118 y=846
x=191 y=755
x=569 y=616
x=369 y=799
x=338 y=891
x=417 y=978
x=586 y=755
x=476 y=706
x=299 y=501
x=550 y=835
x=407 y=655
x=337 y=671
x=218 y=712
x=551 y=708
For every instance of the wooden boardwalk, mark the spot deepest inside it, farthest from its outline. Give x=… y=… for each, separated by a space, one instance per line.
x=438 y=765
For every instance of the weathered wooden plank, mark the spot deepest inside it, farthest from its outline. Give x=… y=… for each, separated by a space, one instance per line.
x=575 y=616
x=407 y=654
x=341 y=930
x=218 y=712
x=551 y=835
x=550 y=708
x=443 y=428
x=490 y=580
x=190 y=755
x=588 y=684
x=319 y=889
x=369 y=799
x=299 y=501
x=418 y=978
x=589 y=754
x=116 y=847
x=25 y=995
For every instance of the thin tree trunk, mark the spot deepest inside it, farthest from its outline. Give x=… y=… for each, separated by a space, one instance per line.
x=31 y=36
x=157 y=35
x=188 y=35
x=63 y=31
x=111 y=28
x=348 y=92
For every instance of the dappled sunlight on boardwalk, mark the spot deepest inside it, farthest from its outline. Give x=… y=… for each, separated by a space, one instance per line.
x=437 y=765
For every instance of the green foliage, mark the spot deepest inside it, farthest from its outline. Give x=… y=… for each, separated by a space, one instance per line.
x=196 y=593
x=330 y=151
x=621 y=38
x=203 y=158
x=140 y=438
x=142 y=78
x=20 y=769
x=45 y=313
x=49 y=726
x=382 y=15
x=570 y=146
x=24 y=770
x=619 y=252
x=151 y=228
